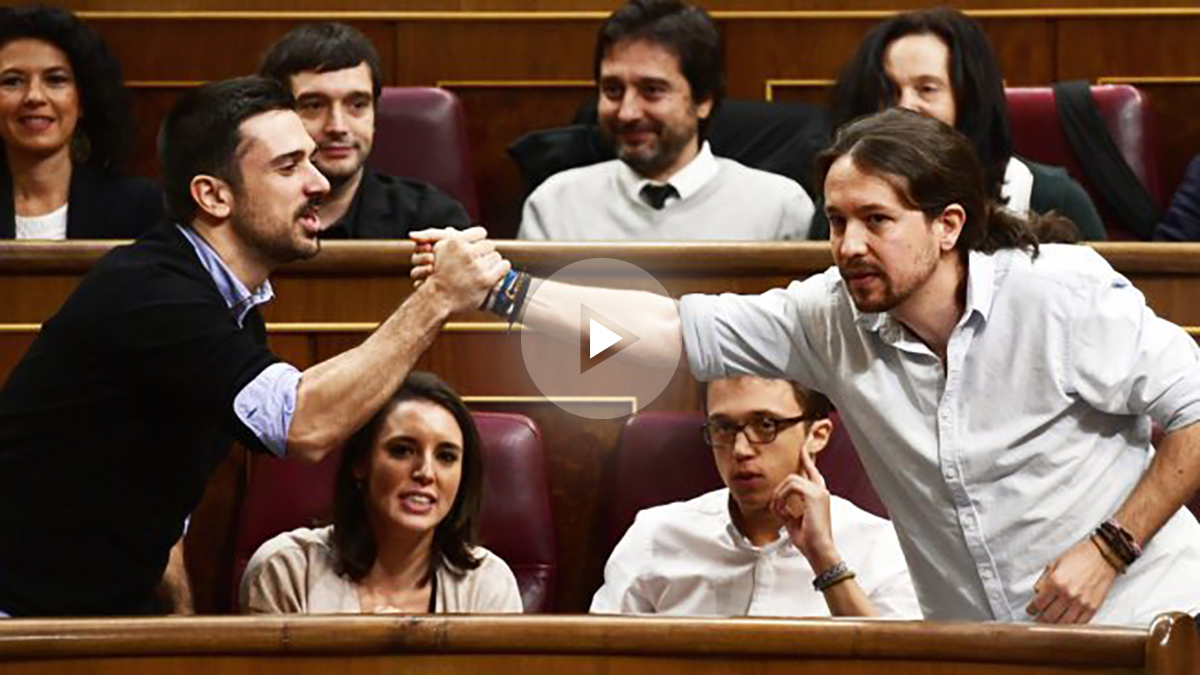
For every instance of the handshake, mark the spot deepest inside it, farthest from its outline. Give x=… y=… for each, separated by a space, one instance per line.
x=462 y=269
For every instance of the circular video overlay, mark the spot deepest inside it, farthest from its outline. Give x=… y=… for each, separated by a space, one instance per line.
x=597 y=373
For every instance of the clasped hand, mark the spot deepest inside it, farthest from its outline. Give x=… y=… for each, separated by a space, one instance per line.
x=462 y=266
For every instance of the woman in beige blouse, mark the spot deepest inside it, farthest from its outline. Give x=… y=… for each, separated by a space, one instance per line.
x=406 y=507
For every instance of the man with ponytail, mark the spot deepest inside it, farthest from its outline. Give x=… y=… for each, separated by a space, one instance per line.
x=1000 y=393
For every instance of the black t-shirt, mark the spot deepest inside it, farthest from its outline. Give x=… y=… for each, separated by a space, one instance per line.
x=110 y=426
x=386 y=207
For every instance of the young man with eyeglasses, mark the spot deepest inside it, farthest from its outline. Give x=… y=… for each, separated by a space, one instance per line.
x=767 y=543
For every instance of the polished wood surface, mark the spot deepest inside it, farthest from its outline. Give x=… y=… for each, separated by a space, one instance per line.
x=525 y=65
x=584 y=644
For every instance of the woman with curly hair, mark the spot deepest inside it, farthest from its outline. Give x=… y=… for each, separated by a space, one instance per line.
x=65 y=126
x=406 y=505
x=940 y=63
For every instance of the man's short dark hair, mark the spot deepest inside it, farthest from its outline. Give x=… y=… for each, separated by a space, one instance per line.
x=201 y=134
x=814 y=404
x=685 y=31
x=321 y=47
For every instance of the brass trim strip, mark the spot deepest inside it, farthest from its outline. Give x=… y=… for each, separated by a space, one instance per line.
x=587 y=15
x=329 y=327
x=1149 y=79
x=516 y=84
x=165 y=84
x=631 y=400
x=771 y=84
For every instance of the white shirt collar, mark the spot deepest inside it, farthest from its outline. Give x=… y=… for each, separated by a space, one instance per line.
x=1017 y=189
x=687 y=181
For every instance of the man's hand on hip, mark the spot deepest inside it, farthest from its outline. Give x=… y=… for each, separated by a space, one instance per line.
x=1073 y=587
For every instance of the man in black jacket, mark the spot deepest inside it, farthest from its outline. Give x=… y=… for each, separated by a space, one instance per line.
x=333 y=71
x=132 y=393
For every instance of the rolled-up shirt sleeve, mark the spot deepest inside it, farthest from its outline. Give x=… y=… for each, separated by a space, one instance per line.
x=1127 y=360
x=762 y=335
x=267 y=403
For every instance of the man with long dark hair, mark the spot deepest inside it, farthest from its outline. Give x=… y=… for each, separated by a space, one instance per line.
x=1001 y=394
x=939 y=62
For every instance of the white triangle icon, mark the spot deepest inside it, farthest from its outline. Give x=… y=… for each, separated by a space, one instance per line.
x=600 y=338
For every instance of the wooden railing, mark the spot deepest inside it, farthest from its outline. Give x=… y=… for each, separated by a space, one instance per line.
x=638 y=646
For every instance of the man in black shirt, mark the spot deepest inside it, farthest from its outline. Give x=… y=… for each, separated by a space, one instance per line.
x=132 y=393
x=333 y=71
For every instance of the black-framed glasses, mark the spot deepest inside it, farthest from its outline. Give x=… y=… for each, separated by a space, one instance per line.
x=760 y=430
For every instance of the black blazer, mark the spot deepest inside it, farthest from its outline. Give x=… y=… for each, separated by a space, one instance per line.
x=101 y=205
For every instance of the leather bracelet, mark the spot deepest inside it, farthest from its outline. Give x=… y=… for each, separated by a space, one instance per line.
x=1109 y=556
x=1127 y=537
x=1120 y=541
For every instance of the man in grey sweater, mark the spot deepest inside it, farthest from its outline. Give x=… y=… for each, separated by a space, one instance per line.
x=658 y=64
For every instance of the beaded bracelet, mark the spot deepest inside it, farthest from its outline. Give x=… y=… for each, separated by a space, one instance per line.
x=833 y=576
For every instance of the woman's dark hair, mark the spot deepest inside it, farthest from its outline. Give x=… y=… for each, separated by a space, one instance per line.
x=321 y=47
x=106 y=125
x=981 y=113
x=202 y=132
x=685 y=31
x=932 y=166
x=454 y=537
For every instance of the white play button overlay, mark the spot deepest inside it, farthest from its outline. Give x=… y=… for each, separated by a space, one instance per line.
x=600 y=338
x=596 y=375
x=604 y=338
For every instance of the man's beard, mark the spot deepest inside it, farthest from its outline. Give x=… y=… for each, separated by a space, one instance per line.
x=894 y=292
x=278 y=246
x=654 y=158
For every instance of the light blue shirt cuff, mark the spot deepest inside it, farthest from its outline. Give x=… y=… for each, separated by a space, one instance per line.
x=267 y=404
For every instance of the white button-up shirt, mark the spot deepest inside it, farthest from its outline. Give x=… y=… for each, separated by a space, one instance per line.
x=1034 y=433
x=689 y=559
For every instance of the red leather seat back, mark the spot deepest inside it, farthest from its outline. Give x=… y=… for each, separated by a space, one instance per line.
x=661 y=457
x=517 y=523
x=1037 y=135
x=421 y=132
x=282 y=495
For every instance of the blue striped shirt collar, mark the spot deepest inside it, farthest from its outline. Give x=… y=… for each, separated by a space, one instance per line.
x=239 y=299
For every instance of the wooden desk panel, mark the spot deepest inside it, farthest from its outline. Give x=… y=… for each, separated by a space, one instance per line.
x=470 y=645
x=365 y=281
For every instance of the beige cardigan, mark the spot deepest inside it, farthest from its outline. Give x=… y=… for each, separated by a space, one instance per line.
x=296 y=573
